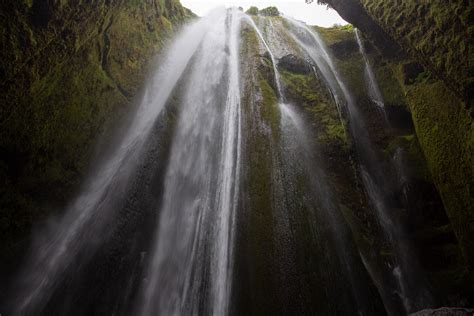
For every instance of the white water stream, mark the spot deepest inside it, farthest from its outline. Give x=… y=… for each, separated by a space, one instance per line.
x=85 y=219
x=201 y=185
x=371 y=82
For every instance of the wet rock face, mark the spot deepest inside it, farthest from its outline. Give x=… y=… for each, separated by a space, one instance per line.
x=435 y=33
x=445 y=311
x=437 y=81
x=354 y=12
x=417 y=201
x=295 y=64
x=344 y=48
x=81 y=63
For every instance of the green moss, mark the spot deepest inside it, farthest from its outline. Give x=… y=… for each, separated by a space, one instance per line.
x=63 y=84
x=335 y=34
x=250 y=38
x=443 y=124
x=348 y=61
x=347 y=27
x=300 y=85
x=334 y=131
x=415 y=158
x=388 y=83
x=270 y=11
x=312 y=95
x=437 y=33
x=261 y=119
x=252 y=11
x=446 y=133
x=269 y=106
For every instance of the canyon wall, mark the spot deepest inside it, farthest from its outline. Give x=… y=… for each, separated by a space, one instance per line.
x=68 y=68
x=436 y=79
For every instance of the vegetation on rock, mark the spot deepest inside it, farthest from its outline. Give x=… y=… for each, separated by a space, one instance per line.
x=252 y=11
x=68 y=70
x=260 y=101
x=270 y=11
x=71 y=69
x=418 y=143
x=436 y=35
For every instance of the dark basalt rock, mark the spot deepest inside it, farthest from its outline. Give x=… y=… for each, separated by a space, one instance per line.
x=295 y=64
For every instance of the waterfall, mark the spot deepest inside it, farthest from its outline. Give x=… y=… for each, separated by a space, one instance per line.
x=87 y=218
x=272 y=57
x=230 y=176
x=315 y=48
x=371 y=82
x=239 y=151
x=411 y=287
x=201 y=185
x=317 y=196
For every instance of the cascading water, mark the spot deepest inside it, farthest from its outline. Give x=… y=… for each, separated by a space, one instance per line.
x=317 y=197
x=188 y=260
x=272 y=58
x=195 y=230
x=411 y=286
x=86 y=220
x=371 y=82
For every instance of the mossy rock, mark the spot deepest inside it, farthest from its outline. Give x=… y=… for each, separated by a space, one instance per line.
x=252 y=11
x=70 y=69
x=270 y=11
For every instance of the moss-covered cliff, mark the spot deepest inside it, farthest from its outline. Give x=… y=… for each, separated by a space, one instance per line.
x=308 y=230
x=437 y=35
x=287 y=256
x=68 y=68
x=257 y=259
x=398 y=140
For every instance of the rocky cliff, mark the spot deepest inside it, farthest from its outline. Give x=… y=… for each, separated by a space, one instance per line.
x=68 y=68
x=437 y=82
x=421 y=208
x=71 y=68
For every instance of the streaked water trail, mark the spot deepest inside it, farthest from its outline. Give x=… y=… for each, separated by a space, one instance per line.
x=272 y=57
x=406 y=275
x=371 y=82
x=191 y=262
x=85 y=220
x=322 y=208
x=229 y=177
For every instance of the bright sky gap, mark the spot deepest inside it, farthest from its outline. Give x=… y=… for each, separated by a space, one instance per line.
x=312 y=14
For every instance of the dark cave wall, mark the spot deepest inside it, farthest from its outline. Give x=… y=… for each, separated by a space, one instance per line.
x=68 y=69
